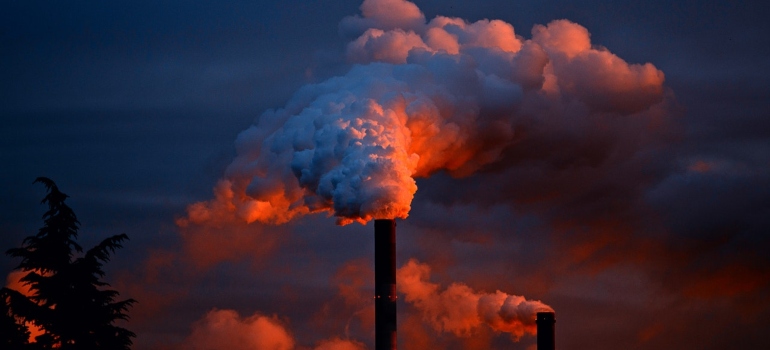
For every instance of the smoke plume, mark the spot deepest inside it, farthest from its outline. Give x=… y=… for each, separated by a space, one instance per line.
x=422 y=97
x=226 y=329
x=460 y=310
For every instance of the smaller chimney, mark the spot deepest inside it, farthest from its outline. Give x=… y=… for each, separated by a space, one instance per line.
x=546 y=335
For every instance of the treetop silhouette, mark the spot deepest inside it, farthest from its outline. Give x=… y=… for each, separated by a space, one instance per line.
x=67 y=296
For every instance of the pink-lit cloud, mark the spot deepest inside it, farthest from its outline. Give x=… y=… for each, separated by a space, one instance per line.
x=226 y=329
x=446 y=95
x=460 y=310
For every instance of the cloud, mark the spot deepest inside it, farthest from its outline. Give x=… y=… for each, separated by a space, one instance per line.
x=384 y=15
x=351 y=310
x=225 y=329
x=340 y=344
x=460 y=310
x=449 y=96
x=377 y=45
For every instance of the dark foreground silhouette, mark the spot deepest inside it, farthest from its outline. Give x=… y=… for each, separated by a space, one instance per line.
x=67 y=298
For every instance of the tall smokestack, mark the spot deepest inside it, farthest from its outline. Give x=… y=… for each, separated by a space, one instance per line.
x=546 y=334
x=385 y=284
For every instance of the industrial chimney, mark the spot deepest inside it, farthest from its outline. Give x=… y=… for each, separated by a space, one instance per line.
x=546 y=335
x=385 y=284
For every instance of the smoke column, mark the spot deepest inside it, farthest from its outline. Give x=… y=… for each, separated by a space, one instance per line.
x=423 y=97
x=427 y=96
x=385 y=284
x=460 y=310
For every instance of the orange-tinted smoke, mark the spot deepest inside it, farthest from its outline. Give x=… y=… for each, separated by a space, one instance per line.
x=340 y=344
x=351 y=311
x=425 y=96
x=460 y=310
x=226 y=329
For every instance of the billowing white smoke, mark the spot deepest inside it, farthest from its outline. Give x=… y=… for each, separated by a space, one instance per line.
x=460 y=310
x=424 y=96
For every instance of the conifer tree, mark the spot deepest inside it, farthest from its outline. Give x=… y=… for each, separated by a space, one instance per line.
x=68 y=299
x=14 y=335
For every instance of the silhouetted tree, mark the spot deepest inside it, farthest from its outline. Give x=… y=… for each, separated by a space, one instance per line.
x=67 y=299
x=13 y=333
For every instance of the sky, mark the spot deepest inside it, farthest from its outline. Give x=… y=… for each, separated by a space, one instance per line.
x=607 y=160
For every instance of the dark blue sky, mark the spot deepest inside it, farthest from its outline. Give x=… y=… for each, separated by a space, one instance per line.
x=133 y=109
